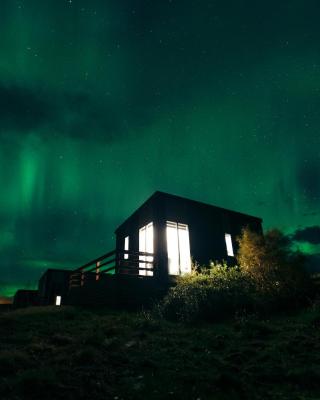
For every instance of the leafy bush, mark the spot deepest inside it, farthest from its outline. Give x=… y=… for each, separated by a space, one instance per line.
x=270 y=278
x=211 y=295
x=277 y=271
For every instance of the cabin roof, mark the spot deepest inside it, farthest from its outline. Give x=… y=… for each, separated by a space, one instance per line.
x=26 y=291
x=49 y=270
x=57 y=270
x=158 y=194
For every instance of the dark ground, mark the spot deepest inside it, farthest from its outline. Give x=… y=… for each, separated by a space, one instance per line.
x=68 y=353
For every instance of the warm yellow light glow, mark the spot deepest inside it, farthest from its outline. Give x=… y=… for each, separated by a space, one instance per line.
x=178 y=247
x=146 y=246
x=184 y=248
x=5 y=300
x=58 y=300
x=173 y=248
x=126 y=247
x=228 y=240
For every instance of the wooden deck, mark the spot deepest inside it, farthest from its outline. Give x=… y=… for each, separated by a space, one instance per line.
x=114 y=263
x=119 y=279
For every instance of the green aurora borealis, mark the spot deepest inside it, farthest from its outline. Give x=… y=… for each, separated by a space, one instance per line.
x=104 y=102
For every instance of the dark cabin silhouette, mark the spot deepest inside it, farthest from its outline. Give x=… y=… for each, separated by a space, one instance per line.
x=179 y=226
x=153 y=246
x=25 y=298
x=53 y=284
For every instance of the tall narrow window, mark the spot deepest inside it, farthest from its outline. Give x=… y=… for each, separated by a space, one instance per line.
x=146 y=246
x=58 y=300
x=178 y=247
x=126 y=247
x=228 y=240
x=173 y=248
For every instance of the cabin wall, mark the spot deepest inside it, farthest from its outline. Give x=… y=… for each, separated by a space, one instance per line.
x=142 y=217
x=53 y=283
x=26 y=298
x=207 y=227
x=123 y=291
x=132 y=226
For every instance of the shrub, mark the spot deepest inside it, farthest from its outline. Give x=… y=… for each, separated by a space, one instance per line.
x=277 y=271
x=270 y=278
x=215 y=294
x=223 y=292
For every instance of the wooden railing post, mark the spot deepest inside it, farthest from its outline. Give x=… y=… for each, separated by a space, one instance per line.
x=97 y=270
x=94 y=269
x=82 y=278
x=117 y=262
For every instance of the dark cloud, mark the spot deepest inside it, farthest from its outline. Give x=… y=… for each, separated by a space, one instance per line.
x=310 y=214
x=102 y=119
x=308 y=179
x=22 y=109
x=78 y=115
x=313 y=263
x=310 y=234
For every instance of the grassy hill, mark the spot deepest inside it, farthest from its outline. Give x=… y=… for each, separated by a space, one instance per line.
x=69 y=353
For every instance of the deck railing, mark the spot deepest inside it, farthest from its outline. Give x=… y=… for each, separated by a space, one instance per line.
x=116 y=262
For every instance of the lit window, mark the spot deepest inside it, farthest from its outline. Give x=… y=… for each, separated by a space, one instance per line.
x=58 y=300
x=178 y=247
x=228 y=240
x=146 y=246
x=126 y=247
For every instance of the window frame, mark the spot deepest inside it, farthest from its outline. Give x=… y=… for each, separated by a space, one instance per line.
x=126 y=247
x=229 y=244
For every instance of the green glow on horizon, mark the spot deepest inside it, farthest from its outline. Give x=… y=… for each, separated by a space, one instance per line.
x=8 y=291
x=307 y=248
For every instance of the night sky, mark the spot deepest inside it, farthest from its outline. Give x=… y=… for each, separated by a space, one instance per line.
x=104 y=102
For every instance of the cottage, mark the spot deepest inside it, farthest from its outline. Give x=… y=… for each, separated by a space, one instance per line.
x=155 y=245
x=53 y=286
x=25 y=298
x=173 y=229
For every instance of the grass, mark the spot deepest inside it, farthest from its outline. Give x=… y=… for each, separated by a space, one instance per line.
x=73 y=353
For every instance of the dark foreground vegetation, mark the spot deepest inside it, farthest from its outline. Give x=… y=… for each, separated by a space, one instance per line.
x=68 y=353
x=247 y=332
x=270 y=278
